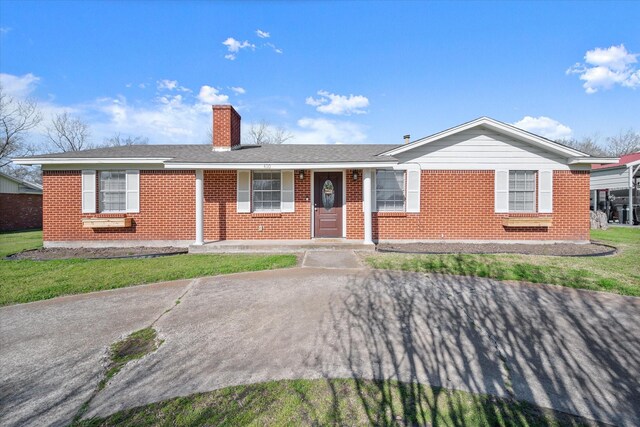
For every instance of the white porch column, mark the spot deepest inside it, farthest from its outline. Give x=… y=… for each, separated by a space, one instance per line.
x=366 y=205
x=199 y=207
x=631 y=174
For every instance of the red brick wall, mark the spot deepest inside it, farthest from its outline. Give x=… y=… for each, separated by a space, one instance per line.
x=223 y=222
x=20 y=211
x=226 y=126
x=459 y=205
x=167 y=208
x=355 y=214
x=454 y=205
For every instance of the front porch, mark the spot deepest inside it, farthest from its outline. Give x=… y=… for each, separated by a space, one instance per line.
x=279 y=246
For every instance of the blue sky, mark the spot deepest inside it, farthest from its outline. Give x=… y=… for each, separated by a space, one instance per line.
x=328 y=72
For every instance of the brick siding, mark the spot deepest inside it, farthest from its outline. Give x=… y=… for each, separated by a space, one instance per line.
x=223 y=222
x=459 y=205
x=20 y=211
x=456 y=205
x=167 y=208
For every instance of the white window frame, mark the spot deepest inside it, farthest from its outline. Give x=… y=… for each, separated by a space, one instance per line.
x=534 y=191
x=100 y=192
x=253 y=191
x=404 y=190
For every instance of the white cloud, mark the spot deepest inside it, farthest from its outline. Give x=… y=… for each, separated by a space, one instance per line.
x=238 y=90
x=18 y=86
x=605 y=68
x=544 y=126
x=234 y=46
x=263 y=34
x=171 y=85
x=211 y=95
x=324 y=131
x=171 y=118
x=142 y=85
x=274 y=47
x=167 y=120
x=330 y=103
x=4 y=30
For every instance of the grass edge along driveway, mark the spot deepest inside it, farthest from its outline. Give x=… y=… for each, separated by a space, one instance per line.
x=336 y=402
x=618 y=273
x=27 y=281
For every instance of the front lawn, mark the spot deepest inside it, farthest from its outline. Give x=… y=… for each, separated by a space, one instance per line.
x=26 y=281
x=618 y=273
x=336 y=402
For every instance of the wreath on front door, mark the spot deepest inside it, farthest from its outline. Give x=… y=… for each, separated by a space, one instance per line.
x=328 y=195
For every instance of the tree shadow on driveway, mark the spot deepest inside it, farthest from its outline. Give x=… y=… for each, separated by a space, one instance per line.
x=573 y=351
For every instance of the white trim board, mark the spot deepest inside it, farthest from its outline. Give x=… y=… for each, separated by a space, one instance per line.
x=279 y=166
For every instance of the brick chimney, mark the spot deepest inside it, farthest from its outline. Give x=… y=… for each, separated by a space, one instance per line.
x=226 y=128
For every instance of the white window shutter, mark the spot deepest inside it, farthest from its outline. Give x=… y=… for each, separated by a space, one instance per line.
x=413 y=191
x=545 y=191
x=88 y=191
x=287 y=203
x=243 y=202
x=133 y=191
x=501 y=198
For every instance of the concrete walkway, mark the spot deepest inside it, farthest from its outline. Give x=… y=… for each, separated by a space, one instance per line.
x=574 y=351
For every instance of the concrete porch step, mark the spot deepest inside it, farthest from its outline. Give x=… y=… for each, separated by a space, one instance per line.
x=279 y=246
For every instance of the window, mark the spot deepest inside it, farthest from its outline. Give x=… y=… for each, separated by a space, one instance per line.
x=113 y=191
x=522 y=191
x=266 y=191
x=389 y=190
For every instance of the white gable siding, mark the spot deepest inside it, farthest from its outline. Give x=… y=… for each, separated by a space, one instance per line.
x=482 y=149
x=8 y=186
x=611 y=179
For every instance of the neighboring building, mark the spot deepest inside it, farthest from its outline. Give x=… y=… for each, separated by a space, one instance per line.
x=481 y=181
x=614 y=187
x=20 y=204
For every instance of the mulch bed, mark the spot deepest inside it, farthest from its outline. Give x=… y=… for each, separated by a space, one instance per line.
x=556 y=249
x=45 y=254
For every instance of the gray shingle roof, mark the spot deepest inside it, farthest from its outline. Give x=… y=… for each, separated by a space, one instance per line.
x=280 y=153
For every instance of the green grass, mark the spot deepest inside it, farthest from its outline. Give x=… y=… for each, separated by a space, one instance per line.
x=26 y=280
x=11 y=243
x=134 y=346
x=336 y=402
x=619 y=273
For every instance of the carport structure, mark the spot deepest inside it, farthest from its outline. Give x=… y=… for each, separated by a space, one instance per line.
x=623 y=175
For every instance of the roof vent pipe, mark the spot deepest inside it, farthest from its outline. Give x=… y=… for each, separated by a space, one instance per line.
x=407 y=138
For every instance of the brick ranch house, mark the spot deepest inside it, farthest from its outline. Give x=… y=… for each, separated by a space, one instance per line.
x=20 y=204
x=481 y=181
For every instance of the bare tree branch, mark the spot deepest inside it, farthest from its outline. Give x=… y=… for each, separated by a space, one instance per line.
x=118 y=140
x=17 y=118
x=263 y=133
x=68 y=133
x=626 y=142
x=588 y=144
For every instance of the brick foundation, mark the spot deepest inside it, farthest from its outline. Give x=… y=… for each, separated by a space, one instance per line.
x=20 y=211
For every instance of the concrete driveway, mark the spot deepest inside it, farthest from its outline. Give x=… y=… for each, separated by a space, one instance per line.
x=573 y=351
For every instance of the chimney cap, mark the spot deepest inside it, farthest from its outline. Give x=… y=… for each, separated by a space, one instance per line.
x=407 y=137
